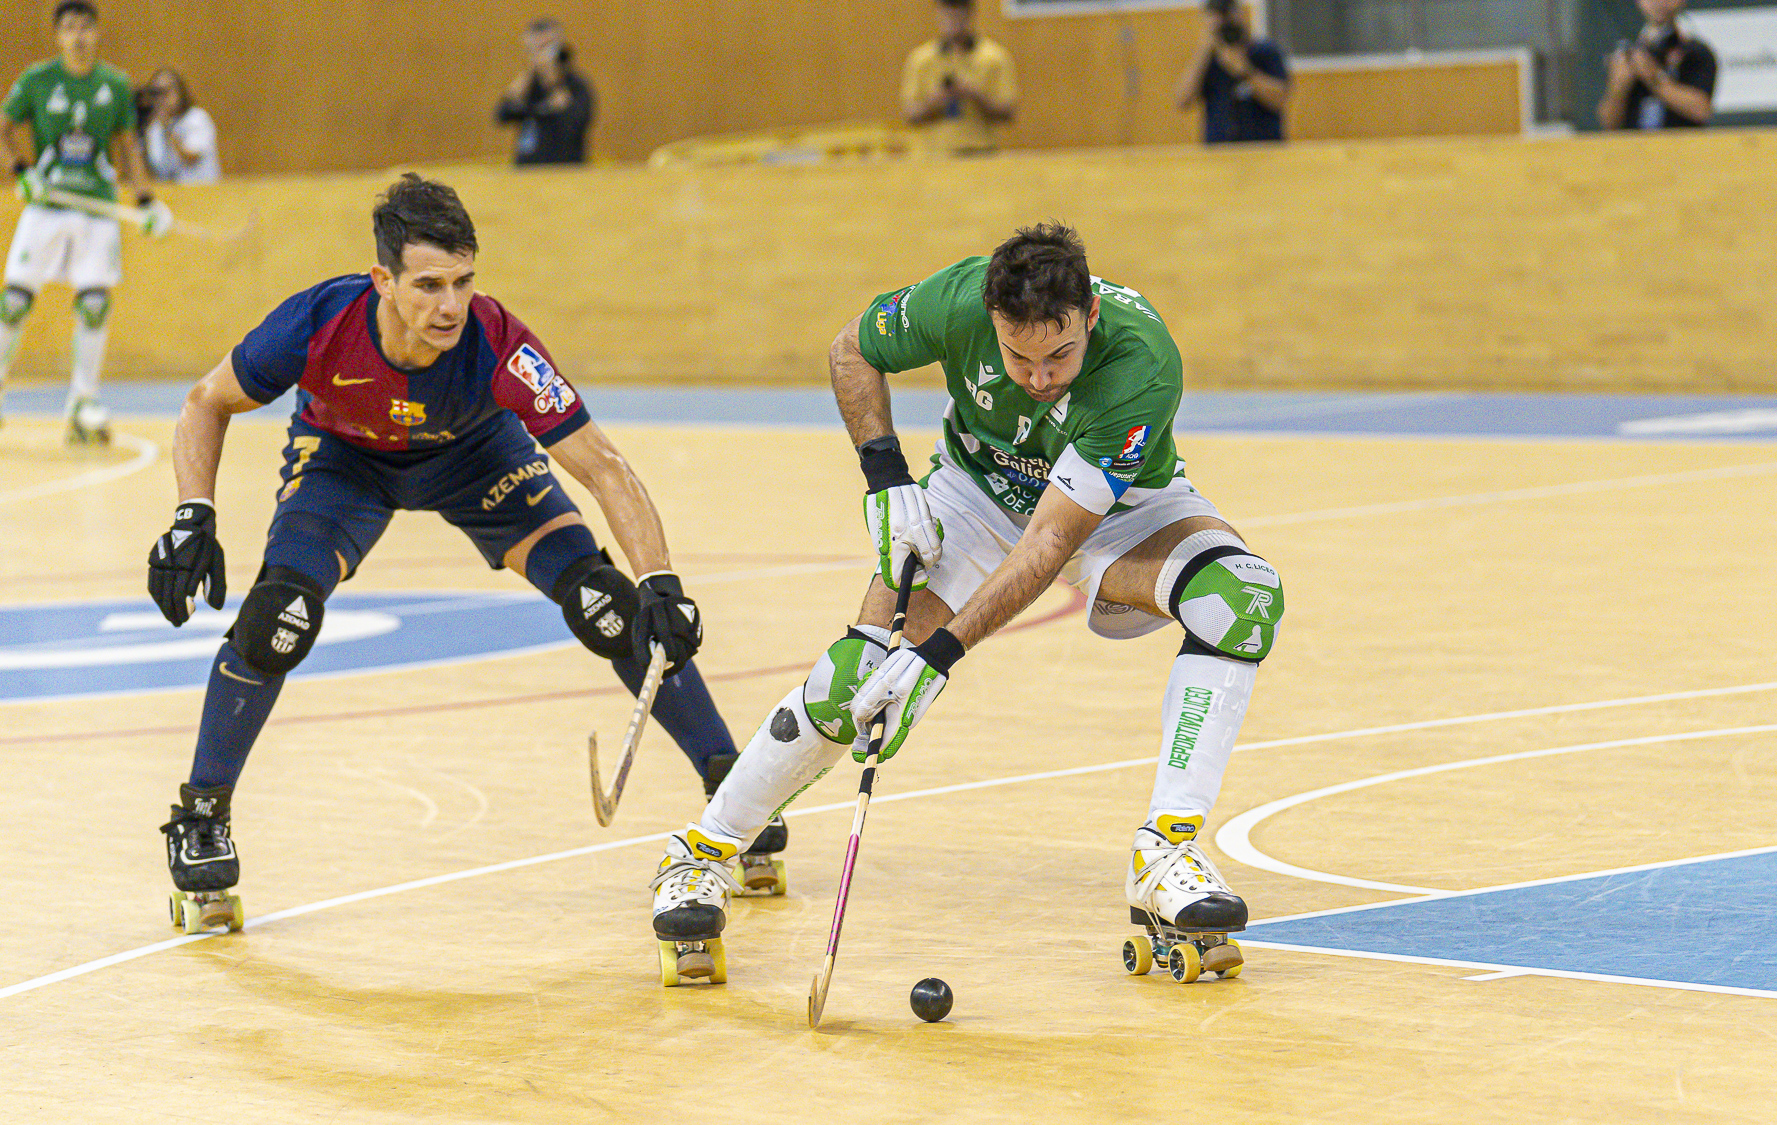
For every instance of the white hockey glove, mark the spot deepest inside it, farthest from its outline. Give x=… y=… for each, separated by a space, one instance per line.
x=903 y=686
x=157 y=217
x=30 y=185
x=896 y=511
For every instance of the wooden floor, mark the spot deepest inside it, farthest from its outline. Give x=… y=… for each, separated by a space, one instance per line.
x=1427 y=580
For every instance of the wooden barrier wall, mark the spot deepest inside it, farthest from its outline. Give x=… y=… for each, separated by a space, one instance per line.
x=318 y=85
x=1624 y=262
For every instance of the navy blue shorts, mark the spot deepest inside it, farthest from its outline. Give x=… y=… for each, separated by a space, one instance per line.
x=495 y=485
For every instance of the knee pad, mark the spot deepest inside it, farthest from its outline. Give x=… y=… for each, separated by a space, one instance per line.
x=1228 y=600
x=15 y=302
x=279 y=620
x=598 y=602
x=92 y=306
x=836 y=677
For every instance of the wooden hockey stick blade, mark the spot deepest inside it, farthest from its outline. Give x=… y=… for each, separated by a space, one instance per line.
x=136 y=216
x=817 y=993
x=604 y=805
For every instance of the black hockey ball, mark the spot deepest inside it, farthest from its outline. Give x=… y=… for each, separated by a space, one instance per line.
x=931 y=999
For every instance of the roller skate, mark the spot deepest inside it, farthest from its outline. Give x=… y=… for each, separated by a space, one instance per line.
x=203 y=861
x=89 y=423
x=761 y=872
x=690 y=906
x=1182 y=904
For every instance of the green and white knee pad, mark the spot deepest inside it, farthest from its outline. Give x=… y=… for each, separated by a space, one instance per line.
x=836 y=677
x=1228 y=600
x=15 y=302
x=93 y=306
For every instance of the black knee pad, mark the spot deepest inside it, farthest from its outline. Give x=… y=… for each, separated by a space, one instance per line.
x=598 y=602
x=279 y=620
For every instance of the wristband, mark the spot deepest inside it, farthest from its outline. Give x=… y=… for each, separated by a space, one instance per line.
x=940 y=651
x=144 y=198
x=19 y=168
x=883 y=463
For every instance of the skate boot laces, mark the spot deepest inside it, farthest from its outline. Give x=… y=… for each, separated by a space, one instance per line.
x=687 y=875
x=1182 y=867
x=200 y=837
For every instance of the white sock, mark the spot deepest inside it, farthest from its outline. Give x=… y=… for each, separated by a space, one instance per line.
x=9 y=346
x=1206 y=698
x=89 y=356
x=787 y=755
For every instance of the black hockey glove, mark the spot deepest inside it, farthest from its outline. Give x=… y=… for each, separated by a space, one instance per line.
x=186 y=557
x=668 y=618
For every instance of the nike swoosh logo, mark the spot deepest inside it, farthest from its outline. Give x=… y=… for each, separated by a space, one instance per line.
x=223 y=668
x=532 y=500
x=339 y=382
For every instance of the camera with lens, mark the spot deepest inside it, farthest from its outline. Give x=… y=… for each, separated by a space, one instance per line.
x=1229 y=29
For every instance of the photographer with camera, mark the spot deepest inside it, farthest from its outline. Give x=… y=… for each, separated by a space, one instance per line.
x=1665 y=79
x=1243 y=82
x=956 y=88
x=550 y=102
x=178 y=135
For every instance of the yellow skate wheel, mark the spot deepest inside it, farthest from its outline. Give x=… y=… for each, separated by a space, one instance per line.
x=669 y=964
x=1183 y=963
x=1138 y=956
x=782 y=886
x=191 y=917
x=173 y=908
x=239 y=919
x=1227 y=959
x=718 y=961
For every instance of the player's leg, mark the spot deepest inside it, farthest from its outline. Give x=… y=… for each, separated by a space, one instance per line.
x=95 y=267
x=29 y=262
x=1199 y=572
x=325 y=522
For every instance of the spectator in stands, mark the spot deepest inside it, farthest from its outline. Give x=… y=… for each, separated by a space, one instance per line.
x=178 y=136
x=1665 y=79
x=1243 y=82
x=957 y=88
x=550 y=102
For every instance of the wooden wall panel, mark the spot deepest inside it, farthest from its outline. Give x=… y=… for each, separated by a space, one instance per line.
x=1637 y=262
x=319 y=85
x=1458 y=99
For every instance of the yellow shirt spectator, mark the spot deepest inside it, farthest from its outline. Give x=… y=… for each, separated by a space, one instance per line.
x=956 y=90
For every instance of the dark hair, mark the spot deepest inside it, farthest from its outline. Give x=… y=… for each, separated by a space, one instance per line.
x=419 y=210
x=179 y=86
x=956 y=4
x=74 y=7
x=1039 y=275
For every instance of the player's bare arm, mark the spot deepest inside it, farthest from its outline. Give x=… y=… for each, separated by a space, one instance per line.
x=590 y=458
x=15 y=143
x=202 y=426
x=1056 y=530
x=860 y=390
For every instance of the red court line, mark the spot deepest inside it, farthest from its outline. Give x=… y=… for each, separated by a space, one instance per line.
x=1076 y=602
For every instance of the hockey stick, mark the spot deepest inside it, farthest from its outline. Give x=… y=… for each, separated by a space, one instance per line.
x=605 y=804
x=138 y=216
x=817 y=991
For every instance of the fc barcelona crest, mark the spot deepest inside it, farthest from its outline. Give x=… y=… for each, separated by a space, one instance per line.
x=407 y=413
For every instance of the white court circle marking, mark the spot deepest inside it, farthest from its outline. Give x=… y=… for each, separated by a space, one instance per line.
x=146 y=452
x=83 y=969
x=1235 y=837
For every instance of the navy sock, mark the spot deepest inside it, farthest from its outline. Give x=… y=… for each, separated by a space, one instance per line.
x=684 y=709
x=235 y=708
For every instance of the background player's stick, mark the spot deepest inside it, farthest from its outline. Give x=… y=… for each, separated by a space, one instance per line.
x=137 y=215
x=605 y=804
x=817 y=992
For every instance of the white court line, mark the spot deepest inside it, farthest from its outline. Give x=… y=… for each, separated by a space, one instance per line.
x=146 y=452
x=847 y=805
x=1235 y=837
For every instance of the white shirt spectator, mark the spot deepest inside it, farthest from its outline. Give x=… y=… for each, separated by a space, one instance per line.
x=196 y=133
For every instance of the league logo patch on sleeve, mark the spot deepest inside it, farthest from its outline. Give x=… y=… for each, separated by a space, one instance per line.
x=1135 y=442
x=553 y=393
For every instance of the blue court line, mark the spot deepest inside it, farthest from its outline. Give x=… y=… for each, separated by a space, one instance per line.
x=1455 y=414
x=1705 y=922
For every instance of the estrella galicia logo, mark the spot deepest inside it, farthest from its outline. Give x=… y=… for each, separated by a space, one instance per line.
x=71 y=650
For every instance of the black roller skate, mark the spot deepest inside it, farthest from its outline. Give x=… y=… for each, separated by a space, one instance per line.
x=203 y=862
x=762 y=873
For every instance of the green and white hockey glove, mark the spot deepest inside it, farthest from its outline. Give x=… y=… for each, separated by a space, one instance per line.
x=157 y=217
x=895 y=509
x=30 y=185
x=905 y=684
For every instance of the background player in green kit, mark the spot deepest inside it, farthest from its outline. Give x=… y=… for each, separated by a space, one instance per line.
x=1057 y=451
x=69 y=123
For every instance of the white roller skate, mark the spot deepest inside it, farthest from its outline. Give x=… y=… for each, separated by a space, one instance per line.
x=89 y=423
x=1182 y=903
x=691 y=906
